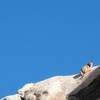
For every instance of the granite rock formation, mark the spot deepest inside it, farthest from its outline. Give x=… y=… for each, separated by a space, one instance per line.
x=72 y=87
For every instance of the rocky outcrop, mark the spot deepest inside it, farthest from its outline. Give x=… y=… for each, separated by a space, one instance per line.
x=73 y=87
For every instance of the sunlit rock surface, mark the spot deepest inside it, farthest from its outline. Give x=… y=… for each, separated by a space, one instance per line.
x=73 y=87
x=12 y=97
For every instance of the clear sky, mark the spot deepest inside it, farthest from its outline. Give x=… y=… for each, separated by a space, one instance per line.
x=44 y=38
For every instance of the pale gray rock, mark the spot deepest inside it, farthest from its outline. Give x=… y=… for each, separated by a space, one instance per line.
x=73 y=87
x=12 y=97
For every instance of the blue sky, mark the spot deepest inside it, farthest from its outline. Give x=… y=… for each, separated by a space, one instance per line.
x=44 y=38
